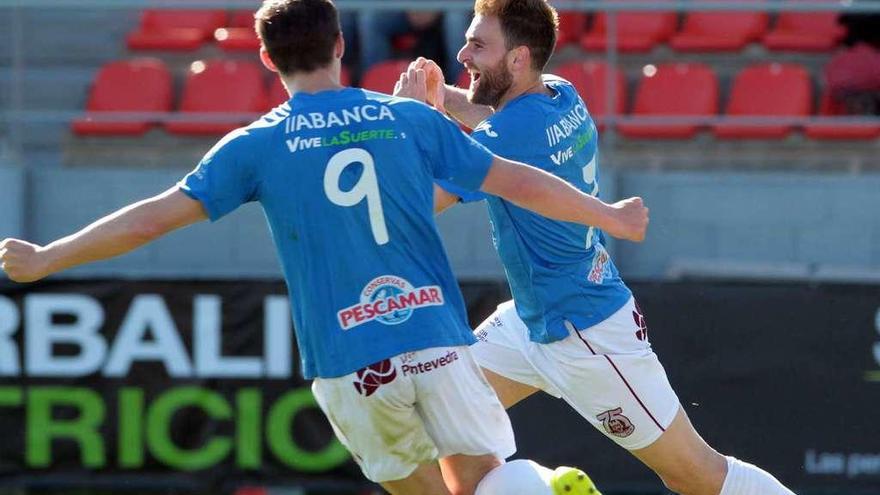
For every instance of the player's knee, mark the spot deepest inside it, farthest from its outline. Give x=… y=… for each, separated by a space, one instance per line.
x=464 y=487
x=678 y=484
x=696 y=479
x=463 y=474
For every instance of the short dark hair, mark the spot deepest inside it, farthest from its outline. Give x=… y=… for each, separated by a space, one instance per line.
x=299 y=35
x=529 y=23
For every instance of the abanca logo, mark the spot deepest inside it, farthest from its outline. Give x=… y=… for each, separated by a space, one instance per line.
x=390 y=300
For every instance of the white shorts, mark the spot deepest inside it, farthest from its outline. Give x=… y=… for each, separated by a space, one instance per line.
x=607 y=373
x=415 y=408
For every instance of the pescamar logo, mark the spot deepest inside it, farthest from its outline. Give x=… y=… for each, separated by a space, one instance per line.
x=874 y=375
x=390 y=300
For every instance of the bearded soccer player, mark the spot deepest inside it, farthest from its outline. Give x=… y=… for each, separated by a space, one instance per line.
x=345 y=177
x=573 y=328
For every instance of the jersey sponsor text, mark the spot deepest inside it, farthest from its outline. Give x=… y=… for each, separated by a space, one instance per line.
x=341 y=118
x=390 y=300
x=428 y=366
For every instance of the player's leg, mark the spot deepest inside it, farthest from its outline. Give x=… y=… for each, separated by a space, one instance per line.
x=461 y=414
x=689 y=466
x=469 y=425
x=509 y=391
x=683 y=460
x=500 y=351
x=637 y=407
x=462 y=473
x=373 y=413
x=426 y=479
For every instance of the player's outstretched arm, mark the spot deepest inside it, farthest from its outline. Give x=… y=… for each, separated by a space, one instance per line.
x=443 y=199
x=550 y=196
x=461 y=109
x=113 y=235
x=424 y=81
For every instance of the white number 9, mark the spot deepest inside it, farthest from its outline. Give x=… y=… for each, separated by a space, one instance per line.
x=367 y=187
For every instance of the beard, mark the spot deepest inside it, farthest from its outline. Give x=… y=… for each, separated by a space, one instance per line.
x=491 y=86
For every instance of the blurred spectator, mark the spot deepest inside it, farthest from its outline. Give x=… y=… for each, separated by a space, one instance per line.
x=348 y=22
x=378 y=28
x=853 y=78
x=861 y=28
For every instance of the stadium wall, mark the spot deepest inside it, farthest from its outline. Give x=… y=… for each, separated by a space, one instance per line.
x=12 y=202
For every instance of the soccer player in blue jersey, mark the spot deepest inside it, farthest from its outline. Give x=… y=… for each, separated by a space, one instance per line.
x=345 y=178
x=573 y=328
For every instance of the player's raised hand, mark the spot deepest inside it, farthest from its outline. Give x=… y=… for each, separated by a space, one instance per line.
x=411 y=84
x=23 y=261
x=435 y=82
x=631 y=220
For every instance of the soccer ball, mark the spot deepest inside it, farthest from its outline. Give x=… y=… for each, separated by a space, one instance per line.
x=572 y=481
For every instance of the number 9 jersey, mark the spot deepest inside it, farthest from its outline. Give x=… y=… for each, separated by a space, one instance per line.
x=345 y=178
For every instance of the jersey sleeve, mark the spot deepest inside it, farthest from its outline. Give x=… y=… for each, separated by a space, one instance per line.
x=225 y=178
x=464 y=195
x=454 y=157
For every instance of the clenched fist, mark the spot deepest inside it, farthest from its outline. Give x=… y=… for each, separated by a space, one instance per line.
x=629 y=220
x=411 y=84
x=423 y=81
x=23 y=261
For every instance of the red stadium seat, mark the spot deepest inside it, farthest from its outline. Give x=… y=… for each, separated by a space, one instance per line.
x=829 y=108
x=139 y=85
x=636 y=31
x=719 y=31
x=571 y=27
x=673 y=90
x=591 y=81
x=381 y=77
x=800 y=31
x=175 y=30
x=221 y=86
x=239 y=35
x=278 y=94
x=767 y=90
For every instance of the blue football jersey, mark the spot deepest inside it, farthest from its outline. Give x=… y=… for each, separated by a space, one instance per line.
x=346 y=182
x=557 y=271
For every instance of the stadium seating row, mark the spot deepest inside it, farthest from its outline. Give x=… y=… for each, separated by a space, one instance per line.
x=187 y=30
x=145 y=85
x=669 y=90
x=639 y=32
x=692 y=90
x=636 y=32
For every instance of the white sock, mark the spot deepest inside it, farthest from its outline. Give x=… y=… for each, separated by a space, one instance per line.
x=519 y=477
x=745 y=479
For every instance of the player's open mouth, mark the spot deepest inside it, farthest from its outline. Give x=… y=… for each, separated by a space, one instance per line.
x=475 y=76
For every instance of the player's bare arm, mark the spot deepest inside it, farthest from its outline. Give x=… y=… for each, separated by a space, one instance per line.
x=111 y=236
x=462 y=110
x=444 y=97
x=443 y=199
x=552 y=197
